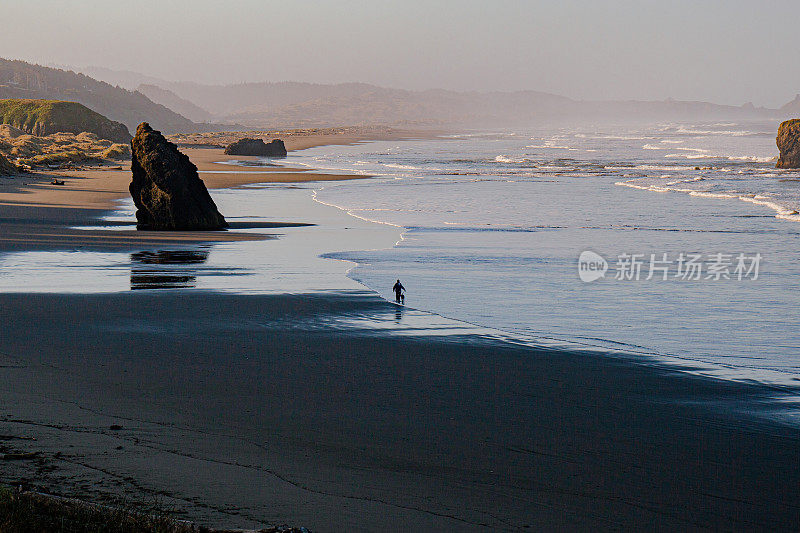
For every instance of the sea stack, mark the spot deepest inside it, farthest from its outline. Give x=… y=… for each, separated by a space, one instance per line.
x=257 y=147
x=167 y=191
x=788 y=141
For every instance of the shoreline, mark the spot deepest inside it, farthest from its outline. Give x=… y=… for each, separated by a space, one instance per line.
x=37 y=215
x=247 y=410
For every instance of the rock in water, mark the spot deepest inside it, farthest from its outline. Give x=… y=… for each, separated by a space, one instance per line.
x=788 y=141
x=257 y=147
x=168 y=193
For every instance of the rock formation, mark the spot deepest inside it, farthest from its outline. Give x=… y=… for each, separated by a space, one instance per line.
x=168 y=193
x=7 y=168
x=257 y=147
x=788 y=141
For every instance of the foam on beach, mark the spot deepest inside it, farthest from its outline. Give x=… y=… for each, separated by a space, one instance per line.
x=782 y=210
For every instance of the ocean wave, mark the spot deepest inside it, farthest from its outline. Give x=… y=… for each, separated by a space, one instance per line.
x=551 y=146
x=507 y=159
x=698 y=153
x=621 y=137
x=688 y=156
x=731 y=133
x=668 y=168
x=401 y=167
x=461 y=173
x=687 y=180
x=352 y=212
x=708 y=194
x=753 y=158
x=643 y=186
x=782 y=211
x=657 y=168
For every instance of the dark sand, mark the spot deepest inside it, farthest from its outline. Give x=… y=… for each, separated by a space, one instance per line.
x=243 y=410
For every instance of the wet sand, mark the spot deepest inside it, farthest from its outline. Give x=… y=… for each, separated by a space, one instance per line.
x=248 y=410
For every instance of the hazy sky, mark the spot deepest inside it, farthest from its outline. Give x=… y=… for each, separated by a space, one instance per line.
x=727 y=51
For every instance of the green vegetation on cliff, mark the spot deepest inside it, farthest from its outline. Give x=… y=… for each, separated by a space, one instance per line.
x=45 y=117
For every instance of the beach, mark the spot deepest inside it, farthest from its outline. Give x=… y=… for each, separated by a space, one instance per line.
x=239 y=411
x=38 y=214
x=334 y=409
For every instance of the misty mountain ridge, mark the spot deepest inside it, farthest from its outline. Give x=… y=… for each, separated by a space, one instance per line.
x=303 y=104
x=793 y=107
x=171 y=100
x=300 y=104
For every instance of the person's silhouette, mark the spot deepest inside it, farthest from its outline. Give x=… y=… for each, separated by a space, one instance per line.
x=398 y=292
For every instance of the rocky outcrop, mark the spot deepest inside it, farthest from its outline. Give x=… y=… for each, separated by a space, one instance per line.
x=7 y=168
x=788 y=141
x=257 y=147
x=168 y=193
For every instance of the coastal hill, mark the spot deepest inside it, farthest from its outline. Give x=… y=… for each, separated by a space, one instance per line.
x=44 y=117
x=19 y=79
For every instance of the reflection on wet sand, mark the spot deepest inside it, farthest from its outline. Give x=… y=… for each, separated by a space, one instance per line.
x=145 y=274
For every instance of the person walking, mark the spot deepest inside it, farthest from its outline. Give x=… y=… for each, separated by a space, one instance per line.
x=398 y=292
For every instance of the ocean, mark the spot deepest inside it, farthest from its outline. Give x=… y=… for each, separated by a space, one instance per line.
x=493 y=225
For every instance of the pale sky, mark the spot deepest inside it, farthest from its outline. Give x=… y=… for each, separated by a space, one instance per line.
x=726 y=51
